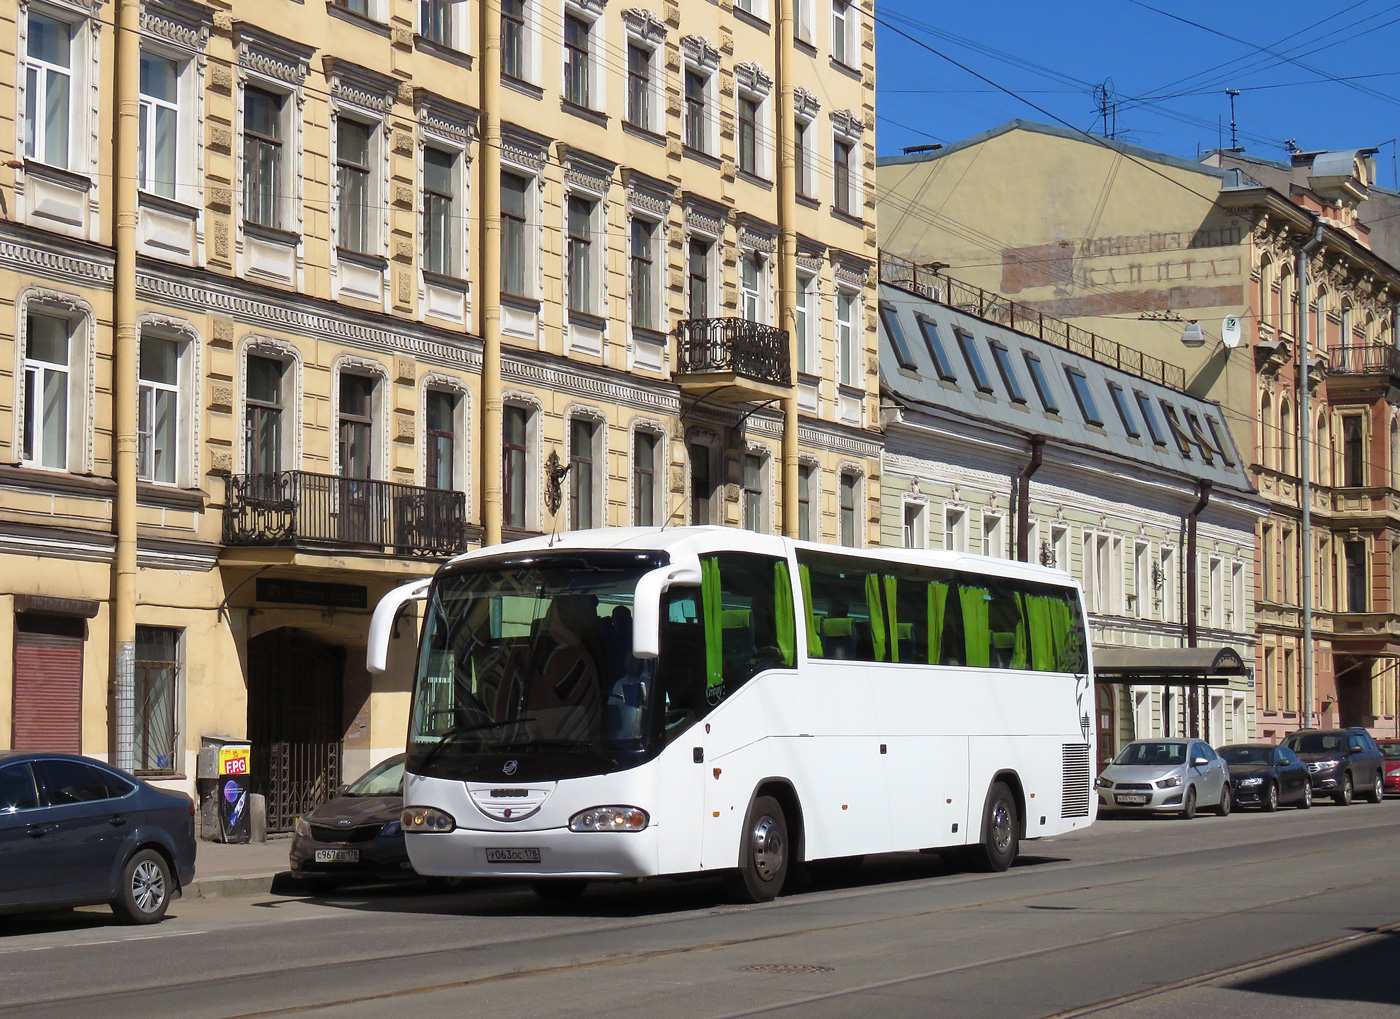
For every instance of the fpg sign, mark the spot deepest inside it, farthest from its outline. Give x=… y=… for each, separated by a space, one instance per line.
x=234 y=760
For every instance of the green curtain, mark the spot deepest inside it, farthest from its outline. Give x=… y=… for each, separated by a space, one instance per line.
x=814 y=636
x=785 y=624
x=976 y=625
x=937 y=601
x=1040 y=613
x=877 y=618
x=1020 y=651
x=714 y=630
x=892 y=604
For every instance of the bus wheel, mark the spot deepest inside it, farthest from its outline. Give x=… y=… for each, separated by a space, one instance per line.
x=763 y=853
x=1001 y=832
x=559 y=889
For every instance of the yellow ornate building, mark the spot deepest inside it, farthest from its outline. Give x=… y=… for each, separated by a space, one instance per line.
x=305 y=297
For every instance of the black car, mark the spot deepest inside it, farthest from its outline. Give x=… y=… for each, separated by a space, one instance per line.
x=77 y=832
x=1267 y=776
x=1341 y=762
x=355 y=836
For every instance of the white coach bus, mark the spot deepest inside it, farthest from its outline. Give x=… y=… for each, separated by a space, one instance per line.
x=629 y=702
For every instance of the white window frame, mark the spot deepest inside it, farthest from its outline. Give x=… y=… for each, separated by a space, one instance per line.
x=350 y=364
x=753 y=83
x=455 y=254
x=530 y=44
x=803 y=28
x=655 y=314
x=598 y=454
x=1215 y=571
x=708 y=229
x=848 y=127
x=534 y=413
x=954 y=528
x=461 y=430
x=915 y=527
x=858 y=493
x=849 y=362
x=659 y=471
x=808 y=312
x=753 y=8
x=755 y=296
x=701 y=58
x=845 y=33
x=459 y=19
x=993 y=540
x=1059 y=546
x=592 y=292
x=1142 y=580
x=646 y=31
x=375 y=10
x=80 y=88
x=813 y=470
x=1237 y=596
x=81 y=321
x=807 y=185
x=1171 y=599
x=187 y=342
x=277 y=66
x=764 y=507
x=590 y=13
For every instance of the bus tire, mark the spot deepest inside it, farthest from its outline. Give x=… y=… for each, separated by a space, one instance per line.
x=763 y=852
x=1001 y=832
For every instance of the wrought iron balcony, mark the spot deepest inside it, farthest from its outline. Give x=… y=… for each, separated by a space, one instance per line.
x=295 y=508
x=732 y=359
x=1364 y=359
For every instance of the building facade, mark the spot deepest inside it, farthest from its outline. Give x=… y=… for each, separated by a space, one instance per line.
x=399 y=278
x=1199 y=266
x=1014 y=444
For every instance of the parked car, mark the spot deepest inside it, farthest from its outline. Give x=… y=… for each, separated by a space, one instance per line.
x=1160 y=776
x=1390 y=749
x=356 y=835
x=1341 y=762
x=77 y=832
x=1266 y=776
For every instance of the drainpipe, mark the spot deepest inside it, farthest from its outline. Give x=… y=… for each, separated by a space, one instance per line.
x=1305 y=472
x=787 y=257
x=1023 y=499
x=489 y=301
x=124 y=386
x=1193 y=596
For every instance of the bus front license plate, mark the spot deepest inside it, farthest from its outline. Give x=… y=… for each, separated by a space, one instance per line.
x=337 y=856
x=512 y=856
x=1139 y=800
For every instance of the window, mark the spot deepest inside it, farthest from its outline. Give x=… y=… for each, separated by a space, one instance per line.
x=1079 y=385
x=157 y=684
x=360 y=7
x=639 y=87
x=441 y=439
x=806 y=505
x=915 y=525
x=1142 y=581
x=47 y=391
x=967 y=345
x=1353 y=451
x=1183 y=441
x=844 y=183
x=1198 y=436
x=1216 y=609
x=697 y=131
x=48 y=84
x=954 y=530
x=1171 y=602
x=703 y=484
x=748 y=134
x=262 y=157
x=262 y=426
x=805 y=159
x=158 y=410
x=158 y=134
x=516 y=259
x=644 y=291
x=1149 y=418
x=352 y=177
x=1237 y=619
x=576 y=60
x=805 y=325
x=850 y=492
x=755 y=501
x=515 y=427
x=581 y=266
x=848 y=370
x=1218 y=438
x=583 y=456
x=755 y=628
x=645 y=490
x=993 y=539
x=356 y=426
x=1355 y=552
x=1125 y=413
x=753 y=302
x=1059 y=548
x=697 y=288
x=514 y=41
x=842 y=19
x=435 y=21
x=889 y=317
x=442 y=244
x=1002 y=356
x=1042 y=384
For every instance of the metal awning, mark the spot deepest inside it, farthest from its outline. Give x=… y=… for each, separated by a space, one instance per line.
x=1212 y=666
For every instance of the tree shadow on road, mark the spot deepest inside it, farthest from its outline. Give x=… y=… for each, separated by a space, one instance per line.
x=1365 y=972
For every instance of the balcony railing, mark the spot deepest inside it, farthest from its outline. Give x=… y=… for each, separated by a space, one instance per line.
x=1364 y=359
x=297 y=508
x=735 y=346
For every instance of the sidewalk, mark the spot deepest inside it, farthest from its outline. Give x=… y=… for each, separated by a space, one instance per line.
x=224 y=870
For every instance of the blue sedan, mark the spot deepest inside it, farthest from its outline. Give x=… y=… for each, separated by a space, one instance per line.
x=77 y=832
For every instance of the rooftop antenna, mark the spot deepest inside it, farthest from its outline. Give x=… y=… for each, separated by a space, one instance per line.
x=1234 y=139
x=1108 y=109
x=1291 y=144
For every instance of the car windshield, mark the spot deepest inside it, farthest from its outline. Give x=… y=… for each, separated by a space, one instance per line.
x=385 y=779
x=1391 y=751
x=1247 y=755
x=1316 y=743
x=1152 y=753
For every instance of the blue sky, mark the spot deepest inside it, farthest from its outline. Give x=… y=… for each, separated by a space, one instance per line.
x=1167 y=78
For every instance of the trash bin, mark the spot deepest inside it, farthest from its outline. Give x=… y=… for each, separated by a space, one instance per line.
x=223 y=781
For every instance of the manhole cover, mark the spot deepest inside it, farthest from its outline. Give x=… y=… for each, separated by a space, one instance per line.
x=785 y=967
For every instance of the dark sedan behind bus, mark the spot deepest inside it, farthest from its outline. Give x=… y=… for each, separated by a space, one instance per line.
x=1267 y=776
x=77 y=832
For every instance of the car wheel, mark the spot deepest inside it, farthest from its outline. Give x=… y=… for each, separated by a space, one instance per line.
x=1001 y=833
x=1188 y=806
x=1307 y=796
x=1270 y=798
x=1377 y=792
x=1342 y=796
x=145 y=888
x=562 y=889
x=763 y=853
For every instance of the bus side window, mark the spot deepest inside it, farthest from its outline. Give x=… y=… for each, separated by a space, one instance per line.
x=682 y=664
x=752 y=618
x=1010 y=648
x=908 y=601
x=847 y=609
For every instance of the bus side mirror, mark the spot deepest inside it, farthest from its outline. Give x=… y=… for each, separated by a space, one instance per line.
x=646 y=606
x=381 y=624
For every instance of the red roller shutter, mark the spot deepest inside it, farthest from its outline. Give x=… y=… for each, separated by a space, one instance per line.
x=48 y=705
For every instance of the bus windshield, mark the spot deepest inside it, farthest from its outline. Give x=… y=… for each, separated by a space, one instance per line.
x=530 y=658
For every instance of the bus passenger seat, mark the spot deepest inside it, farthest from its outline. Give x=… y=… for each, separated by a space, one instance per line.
x=839 y=637
x=1003 y=644
x=737 y=627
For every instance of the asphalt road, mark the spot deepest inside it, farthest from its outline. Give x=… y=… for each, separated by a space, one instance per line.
x=1290 y=914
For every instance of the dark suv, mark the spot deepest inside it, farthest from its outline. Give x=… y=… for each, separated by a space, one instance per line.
x=1340 y=762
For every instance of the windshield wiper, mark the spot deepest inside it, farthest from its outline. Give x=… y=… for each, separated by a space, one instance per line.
x=451 y=734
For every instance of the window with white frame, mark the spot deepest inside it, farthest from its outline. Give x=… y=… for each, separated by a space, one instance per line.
x=850 y=509
x=358 y=184
x=644 y=265
x=158 y=136
x=160 y=430
x=1216 y=610
x=808 y=502
x=805 y=156
x=845 y=33
x=265 y=155
x=807 y=321
x=444 y=23
x=700 y=112
x=848 y=173
x=54 y=55
x=697 y=116
x=753 y=287
x=585 y=457
x=1237 y=614
x=648 y=478
x=518 y=39
x=699 y=259
x=441 y=427
x=266 y=400
x=993 y=535
x=641 y=87
x=755 y=491
x=753 y=86
x=1142 y=580
x=748 y=133
x=582 y=265
x=444 y=248
x=579 y=45
x=356 y=418
x=517 y=426
x=517 y=234
x=51 y=400
x=954 y=529
x=915 y=525
x=756 y=8
x=848 y=360
x=803 y=20
x=1171 y=603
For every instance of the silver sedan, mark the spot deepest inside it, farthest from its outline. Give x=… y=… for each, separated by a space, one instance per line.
x=1165 y=776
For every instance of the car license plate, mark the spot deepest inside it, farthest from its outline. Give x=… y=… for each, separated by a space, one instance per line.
x=512 y=856
x=337 y=856
x=1132 y=798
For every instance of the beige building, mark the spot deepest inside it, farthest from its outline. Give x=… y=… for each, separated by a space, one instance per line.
x=328 y=309
x=1198 y=266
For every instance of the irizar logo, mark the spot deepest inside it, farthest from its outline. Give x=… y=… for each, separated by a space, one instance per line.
x=510 y=767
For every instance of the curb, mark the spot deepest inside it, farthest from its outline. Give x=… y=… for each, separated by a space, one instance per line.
x=231 y=887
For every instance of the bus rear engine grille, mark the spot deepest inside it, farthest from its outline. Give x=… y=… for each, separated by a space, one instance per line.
x=1074 y=799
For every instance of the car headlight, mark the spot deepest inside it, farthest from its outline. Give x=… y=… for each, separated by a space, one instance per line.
x=303 y=827
x=1328 y=765
x=392 y=828
x=1170 y=782
x=426 y=819
x=1104 y=783
x=1246 y=783
x=609 y=819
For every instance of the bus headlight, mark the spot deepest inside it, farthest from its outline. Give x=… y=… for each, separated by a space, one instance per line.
x=609 y=819
x=426 y=819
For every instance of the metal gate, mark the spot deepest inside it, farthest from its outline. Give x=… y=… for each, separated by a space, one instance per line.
x=294 y=723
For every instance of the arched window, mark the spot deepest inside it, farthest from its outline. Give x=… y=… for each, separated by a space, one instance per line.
x=1287 y=297
x=1322 y=444
x=1394 y=453
x=1286 y=445
x=1264 y=301
x=1347 y=339
x=1268 y=440
x=1318 y=327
